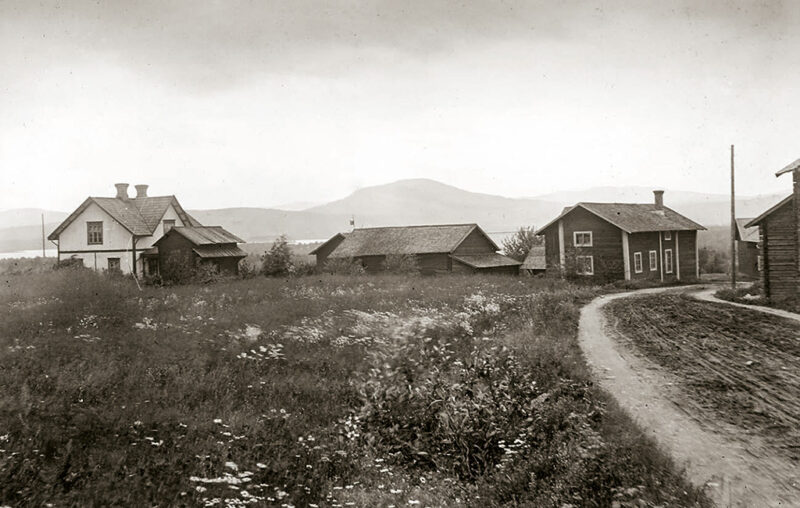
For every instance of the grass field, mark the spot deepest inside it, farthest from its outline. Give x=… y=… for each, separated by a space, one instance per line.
x=312 y=391
x=735 y=365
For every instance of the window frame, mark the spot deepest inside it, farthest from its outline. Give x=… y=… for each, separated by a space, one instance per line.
x=580 y=266
x=92 y=236
x=668 y=266
x=118 y=268
x=638 y=265
x=668 y=235
x=653 y=260
x=164 y=225
x=575 y=239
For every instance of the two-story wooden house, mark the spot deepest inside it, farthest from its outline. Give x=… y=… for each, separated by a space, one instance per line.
x=112 y=233
x=616 y=241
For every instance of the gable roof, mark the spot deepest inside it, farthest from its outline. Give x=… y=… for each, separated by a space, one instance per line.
x=140 y=216
x=428 y=239
x=744 y=233
x=634 y=217
x=760 y=218
x=219 y=251
x=794 y=166
x=487 y=260
x=535 y=260
x=203 y=235
x=337 y=236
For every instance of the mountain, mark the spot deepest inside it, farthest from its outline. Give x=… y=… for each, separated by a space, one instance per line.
x=418 y=201
x=422 y=201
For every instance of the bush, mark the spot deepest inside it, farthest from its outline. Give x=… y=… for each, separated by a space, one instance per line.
x=278 y=260
x=343 y=266
x=520 y=243
x=401 y=263
x=248 y=268
x=178 y=268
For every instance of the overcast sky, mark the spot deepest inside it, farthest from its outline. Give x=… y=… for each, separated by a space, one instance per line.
x=267 y=102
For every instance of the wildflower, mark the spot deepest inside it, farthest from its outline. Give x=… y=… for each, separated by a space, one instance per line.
x=232 y=465
x=200 y=488
x=261 y=466
x=413 y=501
x=217 y=420
x=396 y=491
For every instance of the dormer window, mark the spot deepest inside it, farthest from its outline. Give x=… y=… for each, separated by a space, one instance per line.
x=94 y=233
x=667 y=235
x=582 y=238
x=168 y=224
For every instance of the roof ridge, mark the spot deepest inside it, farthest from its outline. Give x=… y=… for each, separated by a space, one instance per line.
x=420 y=226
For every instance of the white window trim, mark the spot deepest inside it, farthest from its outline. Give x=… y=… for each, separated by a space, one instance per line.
x=653 y=255
x=591 y=262
x=638 y=267
x=668 y=266
x=575 y=238
x=667 y=235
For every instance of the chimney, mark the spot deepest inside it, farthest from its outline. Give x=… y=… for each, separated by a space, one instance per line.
x=141 y=191
x=659 y=199
x=122 y=190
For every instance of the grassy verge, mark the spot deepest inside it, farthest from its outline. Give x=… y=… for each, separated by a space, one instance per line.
x=324 y=391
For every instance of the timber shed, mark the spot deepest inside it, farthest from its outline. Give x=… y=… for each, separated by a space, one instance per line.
x=622 y=241
x=778 y=229
x=747 y=248
x=461 y=248
x=200 y=245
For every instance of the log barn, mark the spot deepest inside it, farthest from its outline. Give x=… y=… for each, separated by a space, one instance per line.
x=445 y=248
x=747 y=248
x=778 y=230
x=200 y=245
x=622 y=241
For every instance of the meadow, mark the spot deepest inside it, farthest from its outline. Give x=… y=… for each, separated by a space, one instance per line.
x=311 y=391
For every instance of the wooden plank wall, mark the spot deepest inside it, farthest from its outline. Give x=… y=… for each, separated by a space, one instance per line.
x=780 y=253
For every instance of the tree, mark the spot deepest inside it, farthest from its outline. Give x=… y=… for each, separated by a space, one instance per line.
x=278 y=261
x=518 y=245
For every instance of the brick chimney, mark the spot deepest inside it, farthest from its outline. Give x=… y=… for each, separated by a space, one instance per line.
x=122 y=190
x=141 y=191
x=659 y=199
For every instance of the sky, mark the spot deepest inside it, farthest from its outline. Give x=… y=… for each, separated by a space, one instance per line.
x=261 y=103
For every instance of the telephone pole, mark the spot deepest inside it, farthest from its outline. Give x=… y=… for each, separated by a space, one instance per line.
x=733 y=227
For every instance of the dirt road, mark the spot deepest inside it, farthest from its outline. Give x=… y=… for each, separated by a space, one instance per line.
x=738 y=468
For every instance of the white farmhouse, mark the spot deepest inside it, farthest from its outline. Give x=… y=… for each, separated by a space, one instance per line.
x=114 y=233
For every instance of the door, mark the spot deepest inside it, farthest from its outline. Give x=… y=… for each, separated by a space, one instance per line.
x=114 y=265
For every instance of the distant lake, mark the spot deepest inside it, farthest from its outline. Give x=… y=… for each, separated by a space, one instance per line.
x=51 y=253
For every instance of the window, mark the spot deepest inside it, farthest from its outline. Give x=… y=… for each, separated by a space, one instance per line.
x=668 y=260
x=760 y=263
x=94 y=233
x=582 y=238
x=168 y=224
x=113 y=265
x=637 y=262
x=653 y=261
x=667 y=235
x=585 y=265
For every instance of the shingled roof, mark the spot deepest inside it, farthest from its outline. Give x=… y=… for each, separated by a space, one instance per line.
x=744 y=233
x=383 y=241
x=204 y=235
x=635 y=217
x=535 y=260
x=140 y=216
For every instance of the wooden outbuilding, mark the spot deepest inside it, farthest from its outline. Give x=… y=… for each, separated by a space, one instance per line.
x=747 y=248
x=211 y=245
x=779 y=229
x=462 y=248
x=622 y=241
x=535 y=262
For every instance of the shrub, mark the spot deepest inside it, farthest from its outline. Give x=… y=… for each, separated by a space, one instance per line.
x=343 y=266
x=401 y=263
x=278 y=260
x=520 y=243
x=178 y=268
x=248 y=268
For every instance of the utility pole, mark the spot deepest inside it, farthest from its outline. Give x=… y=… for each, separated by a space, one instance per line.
x=43 y=255
x=733 y=227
